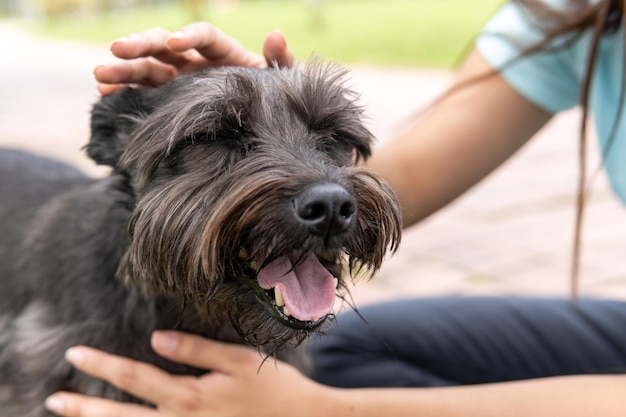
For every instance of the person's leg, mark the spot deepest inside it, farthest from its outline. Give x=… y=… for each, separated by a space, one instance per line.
x=458 y=340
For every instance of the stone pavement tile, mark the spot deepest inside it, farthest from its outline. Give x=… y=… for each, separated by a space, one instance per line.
x=416 y=274
x=615 y=289
x=541 y=281
x=438 y=230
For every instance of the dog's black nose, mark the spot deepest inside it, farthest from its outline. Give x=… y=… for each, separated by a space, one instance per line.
x=326 y=209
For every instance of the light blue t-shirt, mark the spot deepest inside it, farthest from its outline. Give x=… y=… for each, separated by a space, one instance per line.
x=553 y=80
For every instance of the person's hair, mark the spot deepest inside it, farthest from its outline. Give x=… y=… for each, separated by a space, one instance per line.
x=571 y=20
x=566 y=23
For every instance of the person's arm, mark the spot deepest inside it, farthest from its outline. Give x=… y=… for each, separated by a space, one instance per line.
x=242 y=385
x=458 y=141
x=571 y=396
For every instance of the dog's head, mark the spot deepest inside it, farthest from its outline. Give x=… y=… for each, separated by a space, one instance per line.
x=249 y=202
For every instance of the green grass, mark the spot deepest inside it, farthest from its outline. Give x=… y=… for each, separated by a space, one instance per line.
x=425 y=33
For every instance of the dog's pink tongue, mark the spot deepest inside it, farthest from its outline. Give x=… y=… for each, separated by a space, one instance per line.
x=308 y=288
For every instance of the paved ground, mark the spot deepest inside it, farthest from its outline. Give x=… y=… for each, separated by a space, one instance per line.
x=510 y=235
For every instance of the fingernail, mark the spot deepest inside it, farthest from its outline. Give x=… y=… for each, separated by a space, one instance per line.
x=108 y=64
x=282 y=38
x=121 y=40
x=54 y=404
x=177 y=35
x=165 y=341
x=75 y=357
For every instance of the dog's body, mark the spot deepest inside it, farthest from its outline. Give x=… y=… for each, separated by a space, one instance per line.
x=226 y=185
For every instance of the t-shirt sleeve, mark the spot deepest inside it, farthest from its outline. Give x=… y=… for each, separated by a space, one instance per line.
x=548 y=79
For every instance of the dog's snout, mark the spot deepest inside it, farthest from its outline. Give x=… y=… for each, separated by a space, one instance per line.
x=326 y=209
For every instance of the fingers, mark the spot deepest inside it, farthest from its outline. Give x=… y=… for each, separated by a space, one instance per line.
x=195 y=46
x=199 y=35
x=155 y=56
x=214 y=46
x=106 y=89
x=149 y=43
x=146 y=43
x=204 y=353
x=139 y=379
x=74 y=405
x=275 y=49
x=143 y=71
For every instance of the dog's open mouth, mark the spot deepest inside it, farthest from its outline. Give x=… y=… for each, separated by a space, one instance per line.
x=300 y=295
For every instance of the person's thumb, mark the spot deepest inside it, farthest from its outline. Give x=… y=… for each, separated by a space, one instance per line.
x=275 y=50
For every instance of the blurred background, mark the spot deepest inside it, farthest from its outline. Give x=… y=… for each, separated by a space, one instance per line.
x=511 y=234
x=430 y=33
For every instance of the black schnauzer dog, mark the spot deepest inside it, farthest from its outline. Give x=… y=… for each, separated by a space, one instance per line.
x=234 y=208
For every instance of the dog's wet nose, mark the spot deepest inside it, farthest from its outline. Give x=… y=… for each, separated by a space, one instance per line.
x=326 y=209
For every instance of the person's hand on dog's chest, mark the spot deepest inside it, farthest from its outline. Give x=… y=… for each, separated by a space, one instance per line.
x=240 y=380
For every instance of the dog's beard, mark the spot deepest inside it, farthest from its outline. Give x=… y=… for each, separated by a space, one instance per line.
x=280 y=281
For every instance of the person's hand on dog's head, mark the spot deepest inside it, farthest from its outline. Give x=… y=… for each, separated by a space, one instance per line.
x=156 y=56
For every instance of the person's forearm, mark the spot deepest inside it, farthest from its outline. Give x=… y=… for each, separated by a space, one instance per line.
x=574 y=396
x=457 y=142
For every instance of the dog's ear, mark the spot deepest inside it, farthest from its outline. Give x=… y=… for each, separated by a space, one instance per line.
x=112 y=121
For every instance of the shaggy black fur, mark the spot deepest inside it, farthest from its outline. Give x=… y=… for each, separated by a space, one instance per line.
x=214 y=176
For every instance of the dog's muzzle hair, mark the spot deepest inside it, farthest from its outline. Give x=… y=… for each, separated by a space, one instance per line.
x=248 y=200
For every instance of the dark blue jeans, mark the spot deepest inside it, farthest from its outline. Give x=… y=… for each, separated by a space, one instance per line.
x=471 y=340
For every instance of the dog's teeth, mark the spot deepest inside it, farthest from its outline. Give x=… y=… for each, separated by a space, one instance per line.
x=336 y=282
x=243 y=254
x=278 y=296
x=286 y=312
x=252 y=265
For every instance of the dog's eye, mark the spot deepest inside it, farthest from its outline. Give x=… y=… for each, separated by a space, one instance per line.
x=340 y=148
x=358 y=148
x=225 y=137
x=231 y=134
x=231 y=139
x=247 y=147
